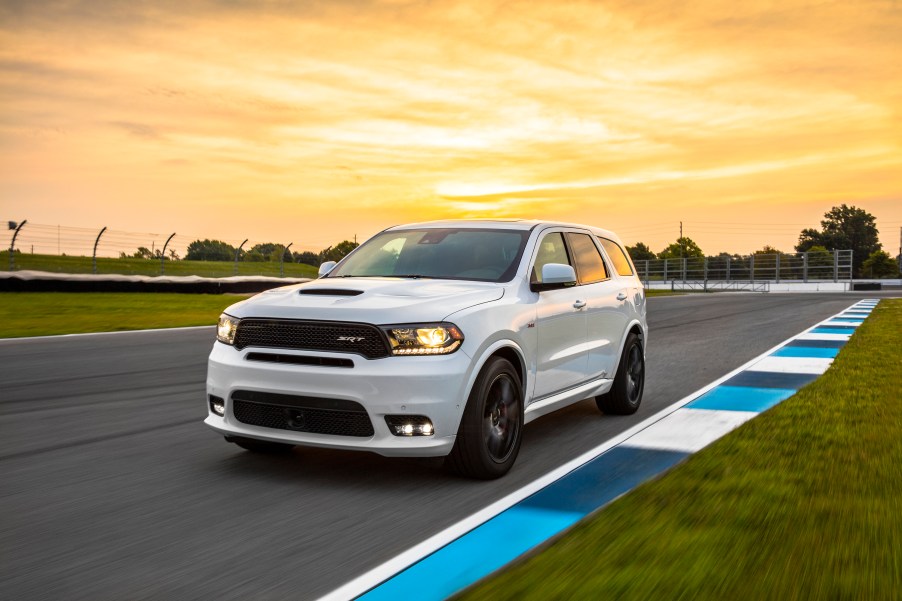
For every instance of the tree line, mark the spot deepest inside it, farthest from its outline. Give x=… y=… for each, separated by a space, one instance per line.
x=843 y=228
x=217 y=250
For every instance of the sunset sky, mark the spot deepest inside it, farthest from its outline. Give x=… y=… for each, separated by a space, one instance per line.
x=313 y=122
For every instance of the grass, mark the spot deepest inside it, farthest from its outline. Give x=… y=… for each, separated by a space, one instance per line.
x=131 y=266
x=803 y=502
x=45 y=313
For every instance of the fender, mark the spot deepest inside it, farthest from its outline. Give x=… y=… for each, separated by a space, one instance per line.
x=643 y=336
x=479 y=363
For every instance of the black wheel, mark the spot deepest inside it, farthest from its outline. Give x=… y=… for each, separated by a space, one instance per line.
x=260 y=446
x=488 y=439
x=629 y=382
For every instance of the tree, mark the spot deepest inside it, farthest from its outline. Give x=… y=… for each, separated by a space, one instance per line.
x=143 y=253
x=641 y=252
x=880 y=265
x=767 y=250
x=683 y=247
x=307 y=257
x=338 y=252
x=210 y=250
x=844 y=228
x=269 y=251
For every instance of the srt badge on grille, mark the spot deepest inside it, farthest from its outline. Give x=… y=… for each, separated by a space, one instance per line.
x=350 y=338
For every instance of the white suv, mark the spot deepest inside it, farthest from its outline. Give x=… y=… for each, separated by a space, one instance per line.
x=433 y=339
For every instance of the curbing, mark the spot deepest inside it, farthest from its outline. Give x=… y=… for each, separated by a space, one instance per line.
x=472 y=549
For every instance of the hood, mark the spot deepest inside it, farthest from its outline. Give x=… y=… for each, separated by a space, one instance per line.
x=370 y=300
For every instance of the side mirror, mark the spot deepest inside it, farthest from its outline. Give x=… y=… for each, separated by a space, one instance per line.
x=326 y=267
x=554 y=276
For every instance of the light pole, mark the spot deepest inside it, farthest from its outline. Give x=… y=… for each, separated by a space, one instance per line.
x=163 y=255
x=238 y=252
x=94 y=256
x=282 y=260
x=12 y=245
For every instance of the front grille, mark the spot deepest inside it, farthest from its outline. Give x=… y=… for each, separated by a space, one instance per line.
x=360 y=338
x=337 y=417
x=300 y=360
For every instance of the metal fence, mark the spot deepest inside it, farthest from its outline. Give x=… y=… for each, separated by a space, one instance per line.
x=66 y=249
x=748 y=272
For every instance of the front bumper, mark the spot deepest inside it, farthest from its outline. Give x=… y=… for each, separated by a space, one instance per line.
x=432 y=386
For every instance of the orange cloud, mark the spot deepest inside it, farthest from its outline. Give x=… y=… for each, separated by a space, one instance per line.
x=318 y=123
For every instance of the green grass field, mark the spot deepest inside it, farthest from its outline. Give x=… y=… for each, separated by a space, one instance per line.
x=45 y=313
x=803 y=502
x=213 y=269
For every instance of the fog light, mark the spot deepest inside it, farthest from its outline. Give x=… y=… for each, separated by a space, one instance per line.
x=409 y=425
x=217 y=405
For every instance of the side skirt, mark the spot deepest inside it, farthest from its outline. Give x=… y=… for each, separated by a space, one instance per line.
x=567 y=397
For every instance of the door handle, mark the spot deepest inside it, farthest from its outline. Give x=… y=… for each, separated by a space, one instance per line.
x=579 y=304
x=621 y=296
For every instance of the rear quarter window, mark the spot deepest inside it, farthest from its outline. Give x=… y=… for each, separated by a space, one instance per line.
x=618 y=256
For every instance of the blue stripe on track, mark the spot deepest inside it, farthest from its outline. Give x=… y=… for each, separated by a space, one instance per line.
x=806 y=351
x=770 y=379
x=741 y=398
x=817 y=343
x=834 y=330
x=522 y=527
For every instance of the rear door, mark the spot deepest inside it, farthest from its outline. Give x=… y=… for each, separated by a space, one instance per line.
x=605 y=319
x=629 y=295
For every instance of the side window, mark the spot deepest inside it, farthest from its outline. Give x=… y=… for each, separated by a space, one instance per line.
x=551 y=250
x=589 y=264
x=621 y=263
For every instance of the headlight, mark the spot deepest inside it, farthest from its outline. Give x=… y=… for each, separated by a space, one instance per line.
x=228 y=326
x=424 y=339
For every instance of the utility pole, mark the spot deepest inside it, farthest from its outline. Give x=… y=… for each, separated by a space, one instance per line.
x=682 y=264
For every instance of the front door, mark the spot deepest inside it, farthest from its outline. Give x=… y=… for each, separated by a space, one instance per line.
x=562 y=357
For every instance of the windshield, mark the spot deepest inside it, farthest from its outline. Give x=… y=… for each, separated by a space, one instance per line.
x=454 y=254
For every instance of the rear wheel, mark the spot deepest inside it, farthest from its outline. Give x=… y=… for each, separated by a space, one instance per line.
x=629 y=382
x=260 y=446
x=488 y=439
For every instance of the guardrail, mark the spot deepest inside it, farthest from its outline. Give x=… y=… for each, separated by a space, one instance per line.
x=751 y=272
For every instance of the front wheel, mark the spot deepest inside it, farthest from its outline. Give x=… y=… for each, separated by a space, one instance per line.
x=488 y=439
x=629 y=382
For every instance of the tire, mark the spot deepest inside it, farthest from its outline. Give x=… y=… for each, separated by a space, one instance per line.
x=488 y=439
x=260 y=446
x=625 y=395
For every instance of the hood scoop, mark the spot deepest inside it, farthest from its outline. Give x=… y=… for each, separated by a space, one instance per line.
x=330 y=291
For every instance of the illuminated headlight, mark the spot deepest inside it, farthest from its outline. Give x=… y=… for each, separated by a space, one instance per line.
x=424 y=339
x=225 y=331
x=409 y=425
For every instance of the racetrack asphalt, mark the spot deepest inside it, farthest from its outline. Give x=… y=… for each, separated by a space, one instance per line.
x=111 y=487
